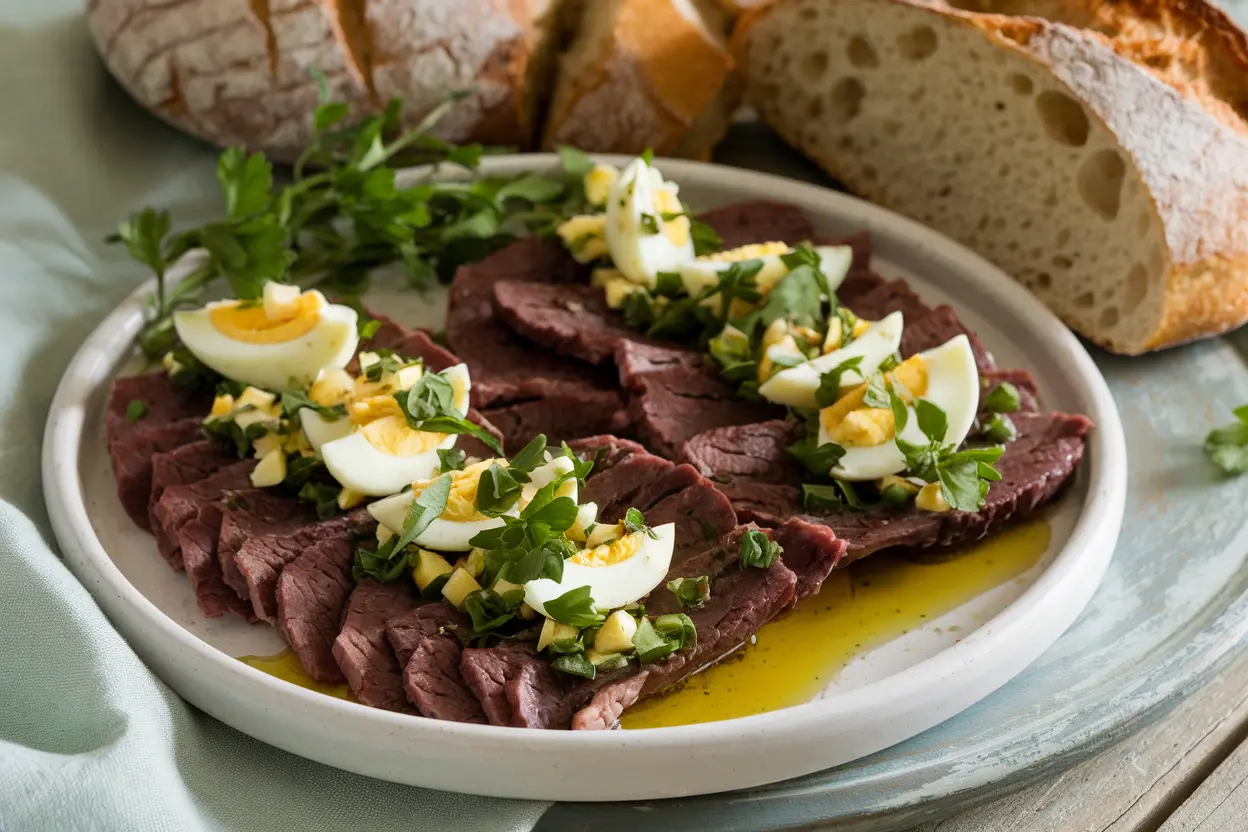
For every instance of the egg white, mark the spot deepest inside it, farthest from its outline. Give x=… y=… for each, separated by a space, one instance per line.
x=356 y=464
x=834 y=262
x=952 y=385
x=295 y=363
x=615 y=585
x=441 y=535
x=638 y=254
x=796 y=386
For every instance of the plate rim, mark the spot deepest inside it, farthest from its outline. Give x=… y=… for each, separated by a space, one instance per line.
x=1096 y=527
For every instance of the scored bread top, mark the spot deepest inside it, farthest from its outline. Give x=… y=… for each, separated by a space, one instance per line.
x=1117 y=191
x=637 y=75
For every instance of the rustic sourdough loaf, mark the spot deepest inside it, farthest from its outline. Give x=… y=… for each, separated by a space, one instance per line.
x=240 y=71
x=1100 y=155
x=645 y=73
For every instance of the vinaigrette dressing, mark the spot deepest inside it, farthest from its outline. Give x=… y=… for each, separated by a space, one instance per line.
x=286 y=667
x=860 y=608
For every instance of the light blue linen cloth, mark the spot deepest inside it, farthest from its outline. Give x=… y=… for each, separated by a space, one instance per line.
x=90 y=739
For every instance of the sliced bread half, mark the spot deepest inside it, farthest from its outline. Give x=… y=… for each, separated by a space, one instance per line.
x=1099 y=156
x=644 y=73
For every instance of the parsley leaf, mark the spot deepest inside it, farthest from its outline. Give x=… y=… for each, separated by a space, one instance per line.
x=575 y=664
x=575 y=608
x=830 y=382
x=489 y=610
x=497 y=491
x=1227 y=446
x=666 y=635
x=817 y=498
x=815 y=458
x=1004 y=398
x=635 y=522
x=530 y=456
x=692 y=593
x=451 y=459
x=430 y=406
x=136 y=410
x=388 y=562
x=999 y=428
x=295 y=400
x=758 y=550
x=649 y=224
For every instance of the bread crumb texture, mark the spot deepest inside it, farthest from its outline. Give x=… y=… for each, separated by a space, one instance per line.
x=1100 y=156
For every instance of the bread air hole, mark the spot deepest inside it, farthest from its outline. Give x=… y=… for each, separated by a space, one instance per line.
x=1044 y=280
x=1021 y=84
x=1100 y=182
x=1063 y=263
x=1137 y=286
x=846 y=99
x=1109 y=318
x=860 y=52
x=1063 y=118
x=917 y=44
x=813 y=67
x=1085 y=301
x=1063 y=237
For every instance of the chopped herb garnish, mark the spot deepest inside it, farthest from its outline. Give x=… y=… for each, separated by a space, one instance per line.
x=451 y=459
x=300 y=470
x=758 y=550
x=896 y=495
x=816 y=498
x=964 y=476
x=323 y=495
x=1004 y=398
x=575 y=665
x=830 y=382
x=136 y=410
x=575 y=608
x=530 y=456
x=669 y=284
x=666 y=635
x=705 y=240
x=1227 y=446
x=430 y=406
x=692 y=593
x=635 y=522
x=295 y=400
x=999 y=428
x=489 y=610
x=390 y=559
x=647 y=156
x=497 y=491
x=649 y=223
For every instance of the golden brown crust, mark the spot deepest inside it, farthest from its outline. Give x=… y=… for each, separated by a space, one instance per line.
x=653 y=75
x=1182 y=129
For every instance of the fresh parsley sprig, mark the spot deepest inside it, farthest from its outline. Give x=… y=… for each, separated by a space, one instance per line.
x=964 y=476
x=758 y=550
x=388 y=562
x=430 y=406
x=1227 y=446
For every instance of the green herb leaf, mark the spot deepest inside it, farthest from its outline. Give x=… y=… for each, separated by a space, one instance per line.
x=300 y=470
x=136 y=410
x=575 y=608
x=666 y=635
x=424 y=510
x=830 y=382
x=295 y=400
x=649 y=224
x=1227 y=446
x=896 y=495
x=1004 y=398
x=692 y=593
x=635 y=522
x=575 y=665
x=815 y=458
x=323 y=495
x=647 y=156
x=758 y=550
x=489 y=610
x=530 y=456
x=497 y=491
x=705 y=240
x=999 y=428
x=932 y=420
x=451 y=459
x=817 y=498
x=669 y=284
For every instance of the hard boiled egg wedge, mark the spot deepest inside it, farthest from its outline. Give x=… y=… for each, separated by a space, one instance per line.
x=382 y=454
x=796 y=386
x=283 y=341
x=617 y=573
x=641 y=243
x=946 y=376
x=452 y=530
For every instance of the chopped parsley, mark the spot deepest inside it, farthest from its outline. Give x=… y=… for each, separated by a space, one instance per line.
x=575 y=608
x=1004 y=398
x=1227 y=446
x=666 y=635
x=388 y=562
x=692 y=593
x=136 y=410
x=758 y=550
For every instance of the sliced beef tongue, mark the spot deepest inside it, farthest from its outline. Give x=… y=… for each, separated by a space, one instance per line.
x=675 y=394
x=560 y=417
x=180 y=504
x=517 y=688
x=505 y=367
x=759 y=222
x=256 y=513
x=605 y=450
x=177 y=470
x=362 y=649
x=312 y=592
x=429 y=652
x=198 y=542
x=571 y=320
x=261 y=558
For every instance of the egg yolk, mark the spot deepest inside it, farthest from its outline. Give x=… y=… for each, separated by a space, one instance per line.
x=366 y=410
x=392 y=435
x=247 y=321
x=609 y=554
x=677 y=229
x=851 y=424
x=461 y=504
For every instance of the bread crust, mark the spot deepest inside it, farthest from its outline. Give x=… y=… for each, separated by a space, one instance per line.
x=239 y=72
x=653 y=75
x=1195 y=167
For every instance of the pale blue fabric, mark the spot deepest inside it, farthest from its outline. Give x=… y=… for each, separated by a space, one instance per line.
x=89 y=738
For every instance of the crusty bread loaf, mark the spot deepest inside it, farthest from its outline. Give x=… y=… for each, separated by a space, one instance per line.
x=1100 y=156
x=645 y=73
x=239 y=72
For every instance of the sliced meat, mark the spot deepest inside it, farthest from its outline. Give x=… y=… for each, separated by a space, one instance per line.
x=197 y=541
x=675 y=394
x=812 y=551
x=262 y=557
x=180 y=504
x=560 y=417
x=505 y=367
x=517 y=688
x=257 y=512
x=185 y=465
x=362 y=650
x=429 y=652
x=752 y=452
x=605 y=450
x=312 y=592
x=937 y=327
x=759 y=222
x=172 y=418
x=571 y=320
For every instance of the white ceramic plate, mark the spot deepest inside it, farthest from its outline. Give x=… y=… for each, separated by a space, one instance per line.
x=892 y=694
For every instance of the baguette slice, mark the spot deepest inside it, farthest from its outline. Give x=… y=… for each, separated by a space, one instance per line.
x=240 y=72
x=1100 y=157
x=645 y=74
